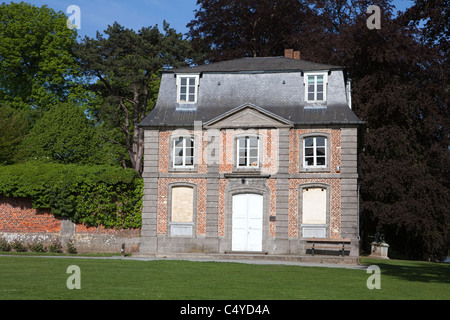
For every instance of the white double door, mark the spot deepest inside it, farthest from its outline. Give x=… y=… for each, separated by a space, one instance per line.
x=247 y=228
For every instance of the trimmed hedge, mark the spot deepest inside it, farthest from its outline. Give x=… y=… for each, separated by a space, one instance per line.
x=93 y=195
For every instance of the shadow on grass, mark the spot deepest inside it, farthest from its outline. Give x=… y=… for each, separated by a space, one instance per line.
x=427 y=272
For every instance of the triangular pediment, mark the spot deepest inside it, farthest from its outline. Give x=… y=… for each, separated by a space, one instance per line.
x=248 y=116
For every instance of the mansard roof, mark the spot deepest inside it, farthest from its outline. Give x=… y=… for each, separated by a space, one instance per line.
x=273 y=86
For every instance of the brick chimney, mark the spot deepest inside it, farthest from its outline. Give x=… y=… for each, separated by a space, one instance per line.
x=291 y=54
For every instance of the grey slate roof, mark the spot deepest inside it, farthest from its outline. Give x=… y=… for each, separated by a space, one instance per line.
x=257 y=64
x=273 y=84
x=299 y=115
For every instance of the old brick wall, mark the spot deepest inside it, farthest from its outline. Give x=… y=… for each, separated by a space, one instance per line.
x=17 y=215
x=19 y=221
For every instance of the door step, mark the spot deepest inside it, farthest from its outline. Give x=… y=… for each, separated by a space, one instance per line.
x=247 y=252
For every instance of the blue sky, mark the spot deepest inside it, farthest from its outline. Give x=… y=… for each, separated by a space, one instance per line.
x=96 y=15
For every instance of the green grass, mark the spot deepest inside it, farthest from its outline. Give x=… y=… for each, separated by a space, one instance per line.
x=24 y=277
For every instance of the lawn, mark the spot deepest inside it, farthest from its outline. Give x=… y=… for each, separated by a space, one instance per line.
x=24 y=277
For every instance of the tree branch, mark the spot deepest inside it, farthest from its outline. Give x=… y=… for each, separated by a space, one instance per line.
x=114 y=141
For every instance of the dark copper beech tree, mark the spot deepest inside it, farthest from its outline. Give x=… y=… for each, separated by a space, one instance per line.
x=400 y=89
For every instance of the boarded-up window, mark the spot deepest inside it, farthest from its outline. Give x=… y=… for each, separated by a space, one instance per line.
x=182 y=204
x=314 y=208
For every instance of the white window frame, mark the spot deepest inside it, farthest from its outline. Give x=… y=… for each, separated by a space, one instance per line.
x=325 y=85
x=247 y=150
x=183 y=165
x=179 y=86
x=314 y=156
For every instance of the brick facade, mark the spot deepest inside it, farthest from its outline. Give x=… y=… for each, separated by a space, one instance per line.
x=270 y=165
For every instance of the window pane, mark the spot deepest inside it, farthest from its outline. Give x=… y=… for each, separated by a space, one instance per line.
x=320 y=141
x=183 y=81
x=253 y=142
x=309 y=152
x=320 y=151
x=191 y=89
x=182 y=97
x=189 y=152
x=311 y=80
x=242 y=143
x=319 y=79
x=178 y=161
x=179 y=143
x=178 y=151
x=192 y=81
x=319 y=96
x=183 y=90
x=189 y=161
x=253 y=162
x=309 y=161
x=320 y=161
x=320 y=88
x=254 y=153
x=309 y=142
x=242 y=152
x=311 y=96
x=242 y=160
x=191 y=97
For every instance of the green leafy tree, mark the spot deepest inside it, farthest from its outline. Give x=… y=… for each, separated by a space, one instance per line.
x=12 y=132
x=36 y=61
x=64 y=134
x=125 y=67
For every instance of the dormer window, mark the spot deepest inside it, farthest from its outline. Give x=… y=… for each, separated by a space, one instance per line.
x=187 y=88
x=315 y=87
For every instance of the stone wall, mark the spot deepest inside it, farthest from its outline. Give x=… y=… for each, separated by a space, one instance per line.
x=20 y=222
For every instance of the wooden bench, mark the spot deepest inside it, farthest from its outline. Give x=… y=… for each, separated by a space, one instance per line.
x=327 y=244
